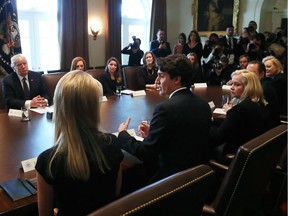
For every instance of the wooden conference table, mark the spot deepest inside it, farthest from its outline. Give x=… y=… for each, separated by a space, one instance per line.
x=25 y=140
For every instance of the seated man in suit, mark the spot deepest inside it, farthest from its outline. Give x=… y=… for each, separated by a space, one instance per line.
x=176 y=137
x=23 y=88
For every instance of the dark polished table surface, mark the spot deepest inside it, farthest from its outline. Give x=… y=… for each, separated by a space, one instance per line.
x=24 y=140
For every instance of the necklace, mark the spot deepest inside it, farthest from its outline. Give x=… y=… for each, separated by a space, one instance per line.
x=150 y=71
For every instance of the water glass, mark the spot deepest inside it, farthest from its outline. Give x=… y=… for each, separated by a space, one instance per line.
x=118 y=90
x=25 y=114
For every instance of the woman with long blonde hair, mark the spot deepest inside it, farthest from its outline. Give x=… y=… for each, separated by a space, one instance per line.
x=81 y=172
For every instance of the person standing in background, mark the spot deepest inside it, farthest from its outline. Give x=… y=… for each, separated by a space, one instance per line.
x=160 y=47
x=134 y=52
x=194 y=45
x=178 y=48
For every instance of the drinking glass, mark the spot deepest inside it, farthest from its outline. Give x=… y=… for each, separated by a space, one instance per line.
x=25 y=114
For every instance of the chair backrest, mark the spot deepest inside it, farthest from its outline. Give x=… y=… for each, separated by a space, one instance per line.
x=50 y=81
x=183 y=193
x=130 y=77
x=249 y=173
x=96 y=73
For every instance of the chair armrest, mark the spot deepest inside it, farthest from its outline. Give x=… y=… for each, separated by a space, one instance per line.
x=208 y=211
x=218 y=166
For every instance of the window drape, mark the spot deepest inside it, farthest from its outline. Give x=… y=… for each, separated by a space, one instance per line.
x=73 y=31
x=113 y=29
x=158 y=17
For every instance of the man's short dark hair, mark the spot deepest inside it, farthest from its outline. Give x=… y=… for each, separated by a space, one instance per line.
x=177 y=65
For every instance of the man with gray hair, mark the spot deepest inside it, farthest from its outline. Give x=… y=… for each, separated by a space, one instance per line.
x=23 y=88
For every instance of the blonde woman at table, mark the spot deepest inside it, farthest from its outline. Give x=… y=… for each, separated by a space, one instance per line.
x=81 y=172
x=245 y=120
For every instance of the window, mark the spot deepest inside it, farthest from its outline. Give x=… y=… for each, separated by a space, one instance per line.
x=37 y=20
x=136 y=16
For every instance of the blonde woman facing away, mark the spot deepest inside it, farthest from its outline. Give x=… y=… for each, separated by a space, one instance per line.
x=81 y=172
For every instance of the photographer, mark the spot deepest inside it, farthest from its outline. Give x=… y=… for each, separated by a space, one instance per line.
x=208 y=46
x=254 y=48
x=220 y=73
x=134 y=52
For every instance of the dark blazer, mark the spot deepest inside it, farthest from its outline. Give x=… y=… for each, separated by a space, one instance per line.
x=243 y=122
x=154 y=48
x=177 y=136
x=279 y=83
x=13 y=91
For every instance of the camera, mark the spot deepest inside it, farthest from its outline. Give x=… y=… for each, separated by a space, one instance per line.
x=217 y=52
x=252 y=47
x=135 y=44
x=268 y=53
x=217 y=65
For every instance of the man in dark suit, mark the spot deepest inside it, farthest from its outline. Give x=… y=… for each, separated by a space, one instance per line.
x=160 y=47
x=269 y=92
x=23 y=88
x=176 y=137
x=230 y=44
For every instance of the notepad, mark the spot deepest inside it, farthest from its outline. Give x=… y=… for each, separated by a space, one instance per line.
x=219 y=111
x=18 y=188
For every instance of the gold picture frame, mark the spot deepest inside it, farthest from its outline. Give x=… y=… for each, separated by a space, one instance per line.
x=201 y=12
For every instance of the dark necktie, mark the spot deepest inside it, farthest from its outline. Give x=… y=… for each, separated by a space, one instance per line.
x=26 y=89
x=230 y=43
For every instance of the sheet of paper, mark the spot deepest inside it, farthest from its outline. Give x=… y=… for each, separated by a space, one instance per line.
x=43 y=110
x=29 y=165
x=15 y=113
x=219 y=111
x=226 y=87
x=211 y=104
x=127 y=91
x=138 y=93
x=200 y=85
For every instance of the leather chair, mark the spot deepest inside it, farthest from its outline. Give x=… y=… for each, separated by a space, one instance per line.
x=50 y=81
x=96 y=73
x=130 y=77
x=248 y=175
x=180 y=194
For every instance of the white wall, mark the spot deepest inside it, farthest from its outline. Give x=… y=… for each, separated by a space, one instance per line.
x=96 y=11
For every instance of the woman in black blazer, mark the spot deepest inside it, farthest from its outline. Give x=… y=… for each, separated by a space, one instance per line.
x=246 y=118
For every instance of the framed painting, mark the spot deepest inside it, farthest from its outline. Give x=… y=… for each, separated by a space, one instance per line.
x=214 y=16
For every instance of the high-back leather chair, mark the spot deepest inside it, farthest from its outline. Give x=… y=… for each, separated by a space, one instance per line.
x=96 y=73
x=248 y=175
x=50 y=81
x=130 y=77
x=180 y=194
